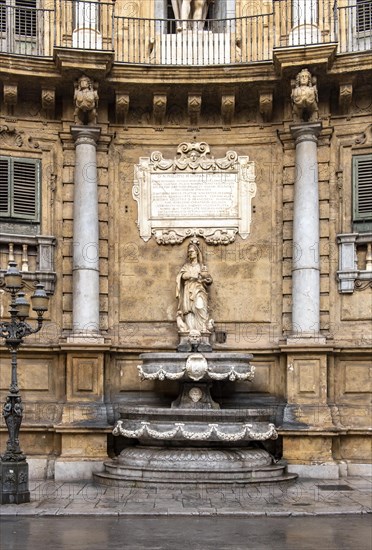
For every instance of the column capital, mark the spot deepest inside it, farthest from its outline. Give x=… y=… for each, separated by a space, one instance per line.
x=86 y=134
x=306 y=131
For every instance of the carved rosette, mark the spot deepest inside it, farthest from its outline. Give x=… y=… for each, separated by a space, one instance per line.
x=194 y=194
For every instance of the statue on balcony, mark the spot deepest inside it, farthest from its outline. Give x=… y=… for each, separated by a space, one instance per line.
x=193 y=280
x=86 y=101
x=304 y=97
x=190 y=9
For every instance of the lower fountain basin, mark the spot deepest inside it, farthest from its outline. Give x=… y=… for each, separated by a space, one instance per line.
x=192 y=465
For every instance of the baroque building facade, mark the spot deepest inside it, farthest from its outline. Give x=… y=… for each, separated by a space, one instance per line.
x=90 y=90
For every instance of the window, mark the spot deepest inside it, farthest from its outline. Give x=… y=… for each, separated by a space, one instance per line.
x=362 y=193
x=19 y=189
x=25 y=17
x=364 y=16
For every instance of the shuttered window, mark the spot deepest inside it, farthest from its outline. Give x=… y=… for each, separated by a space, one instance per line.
x=364 y=15
x=362 y=192
x=19 y=188
x=25 y=17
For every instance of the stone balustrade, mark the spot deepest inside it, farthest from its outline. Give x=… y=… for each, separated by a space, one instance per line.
x=34 y=256
x=355 y=261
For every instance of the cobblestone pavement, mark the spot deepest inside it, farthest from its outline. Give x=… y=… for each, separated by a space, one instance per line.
x=305 y=497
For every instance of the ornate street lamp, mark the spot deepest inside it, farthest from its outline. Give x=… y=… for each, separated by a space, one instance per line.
x=13 y=466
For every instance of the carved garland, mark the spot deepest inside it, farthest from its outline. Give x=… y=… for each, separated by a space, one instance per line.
x=162 y=374
x=246 y=433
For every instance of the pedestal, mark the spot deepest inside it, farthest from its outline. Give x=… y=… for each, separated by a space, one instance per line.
x=14 y=482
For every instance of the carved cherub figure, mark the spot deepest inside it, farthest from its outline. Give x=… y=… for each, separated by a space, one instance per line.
x=86 y=101
x=304 y=97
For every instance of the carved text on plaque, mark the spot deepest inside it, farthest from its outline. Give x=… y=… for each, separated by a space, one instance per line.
x=194 y=194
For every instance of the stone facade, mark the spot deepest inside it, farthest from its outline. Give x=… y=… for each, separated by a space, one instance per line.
x=313 y=369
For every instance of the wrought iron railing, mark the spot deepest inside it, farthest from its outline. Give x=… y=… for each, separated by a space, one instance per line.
x=92 y=25
x=355 y=27
x=26 y=30
x=170 y=42
x=84 y=24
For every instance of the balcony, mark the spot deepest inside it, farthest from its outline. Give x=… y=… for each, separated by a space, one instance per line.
x=355 y=262
x=252 y=38
x=34 y=256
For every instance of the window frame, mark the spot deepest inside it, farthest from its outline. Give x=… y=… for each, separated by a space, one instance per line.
x=11 y=215
x=362 y=221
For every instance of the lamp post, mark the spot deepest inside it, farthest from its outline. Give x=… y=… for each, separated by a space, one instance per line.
x=13 y=466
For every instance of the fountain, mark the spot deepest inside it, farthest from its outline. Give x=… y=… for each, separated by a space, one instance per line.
x=195 y=440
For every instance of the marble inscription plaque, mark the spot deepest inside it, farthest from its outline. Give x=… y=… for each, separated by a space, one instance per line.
x=190 y=195
x=194 y=194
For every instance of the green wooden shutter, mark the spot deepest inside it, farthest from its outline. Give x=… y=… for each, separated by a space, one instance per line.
x=362 y=192
x=19 y=188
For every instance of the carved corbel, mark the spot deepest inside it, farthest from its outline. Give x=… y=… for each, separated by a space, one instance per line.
x=345 y=97
x=194 y=104
x=159 y=108
x=122 y=108
x=48 y=100
x=266 y=105
x=227 y=110
x=10 y=97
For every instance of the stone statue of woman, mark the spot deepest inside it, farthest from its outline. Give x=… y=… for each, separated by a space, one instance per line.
x=190 y=9
x=193 y=280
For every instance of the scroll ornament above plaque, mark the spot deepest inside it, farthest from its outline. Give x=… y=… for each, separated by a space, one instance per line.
x=194 y=194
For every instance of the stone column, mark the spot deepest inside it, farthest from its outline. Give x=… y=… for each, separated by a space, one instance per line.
x=305 y=263
x=85 y=234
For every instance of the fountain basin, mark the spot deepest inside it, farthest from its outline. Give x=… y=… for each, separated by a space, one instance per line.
x=196 y=366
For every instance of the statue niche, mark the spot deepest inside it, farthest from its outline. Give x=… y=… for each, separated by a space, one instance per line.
x=304 y=97
x=86 y=101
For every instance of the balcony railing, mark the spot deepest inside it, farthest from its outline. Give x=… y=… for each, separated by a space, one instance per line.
x=98 y=26
x=26 y=31
x=34 y=256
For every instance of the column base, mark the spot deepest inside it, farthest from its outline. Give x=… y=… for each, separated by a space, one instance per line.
x=85 y=338
x=308 y=339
